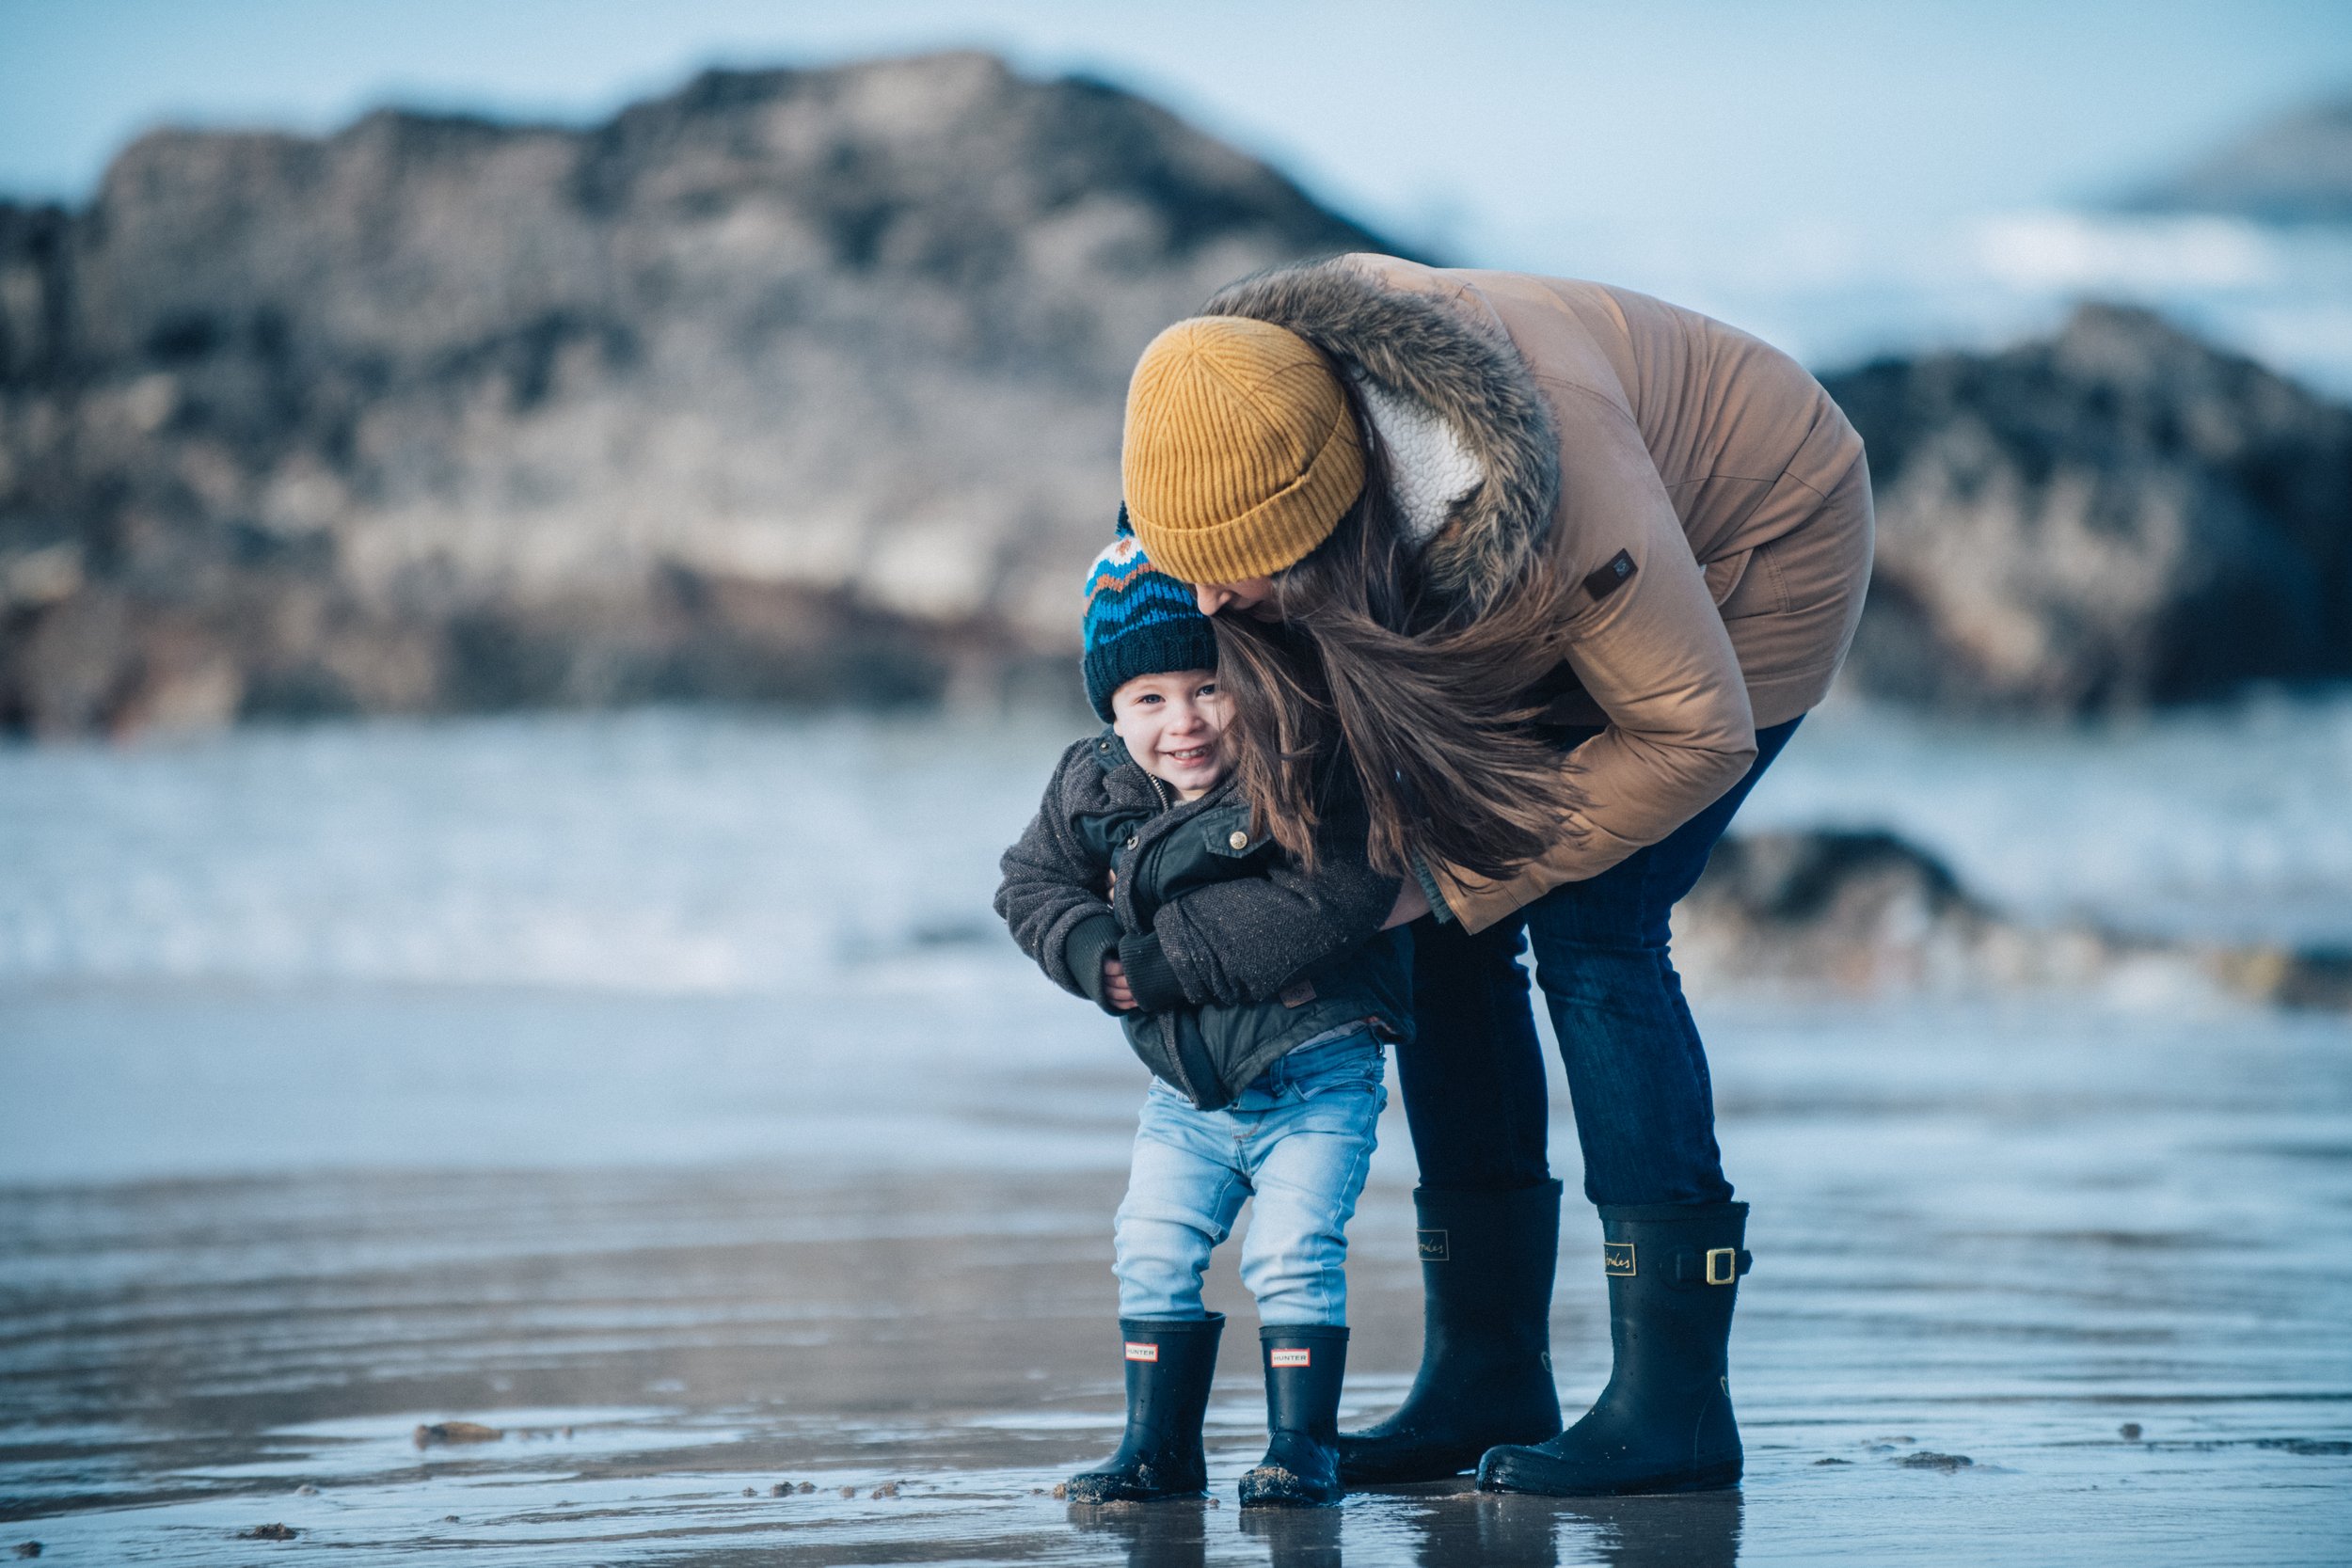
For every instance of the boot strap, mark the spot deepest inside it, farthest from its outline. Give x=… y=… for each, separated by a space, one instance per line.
x=1721 y=1265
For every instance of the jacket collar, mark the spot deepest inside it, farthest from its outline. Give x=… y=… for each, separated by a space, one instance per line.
x=1124 y=777
x=1498 y=479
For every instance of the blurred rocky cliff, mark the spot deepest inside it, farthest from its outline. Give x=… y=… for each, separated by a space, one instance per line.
x=794 y=384
x=2115 y=516
x=1866 y=912
x=805 y=385
x=2296 y=168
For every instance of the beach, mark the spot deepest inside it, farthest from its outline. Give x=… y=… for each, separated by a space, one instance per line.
x=368 y=1078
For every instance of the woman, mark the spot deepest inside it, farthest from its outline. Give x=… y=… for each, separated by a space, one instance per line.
x=1558 y=568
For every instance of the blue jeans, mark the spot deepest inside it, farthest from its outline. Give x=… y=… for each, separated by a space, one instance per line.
x=1299 y=1138
x=1473 y=1078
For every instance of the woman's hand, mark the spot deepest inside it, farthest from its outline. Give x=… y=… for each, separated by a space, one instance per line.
x=1115 y=990
x=1411 y=904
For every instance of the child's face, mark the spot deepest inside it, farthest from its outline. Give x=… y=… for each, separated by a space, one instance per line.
x=1174 y=727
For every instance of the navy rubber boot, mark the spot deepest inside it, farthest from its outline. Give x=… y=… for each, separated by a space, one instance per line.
x=1487 y=1261
x=1304 y=1364
x=1170 y=1362
x=1664 y=1423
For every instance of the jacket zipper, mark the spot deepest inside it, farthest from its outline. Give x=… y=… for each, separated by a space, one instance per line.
x=1135 y=845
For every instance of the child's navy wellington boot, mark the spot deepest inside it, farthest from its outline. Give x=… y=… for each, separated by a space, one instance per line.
x=1304 y=1364
x=1170 y=1362
x=1487 y=1261
x=1664 y=1423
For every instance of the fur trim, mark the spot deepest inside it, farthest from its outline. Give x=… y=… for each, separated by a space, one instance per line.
x=1429 y=470
x=1419 y=350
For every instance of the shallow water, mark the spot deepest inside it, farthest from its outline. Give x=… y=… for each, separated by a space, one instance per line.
x=828 y=1203
x=722 y=853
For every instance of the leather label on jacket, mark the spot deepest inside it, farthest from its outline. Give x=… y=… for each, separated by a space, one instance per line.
x=1611 y=577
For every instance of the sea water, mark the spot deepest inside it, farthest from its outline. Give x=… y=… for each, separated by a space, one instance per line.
x=715 y=852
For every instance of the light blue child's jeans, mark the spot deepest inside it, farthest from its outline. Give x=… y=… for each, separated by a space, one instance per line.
x=1299 y=1139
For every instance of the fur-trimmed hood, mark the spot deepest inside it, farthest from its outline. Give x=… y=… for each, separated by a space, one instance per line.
x=1469 y=442
x=1702 y=505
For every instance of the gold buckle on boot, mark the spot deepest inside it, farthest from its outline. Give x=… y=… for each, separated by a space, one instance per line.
x=1730 y=1255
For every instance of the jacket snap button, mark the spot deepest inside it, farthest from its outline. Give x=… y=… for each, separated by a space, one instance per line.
x=1131 y=842
x=1240 y=840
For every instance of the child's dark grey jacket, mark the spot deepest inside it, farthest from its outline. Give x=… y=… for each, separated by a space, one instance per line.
x=1234 y=955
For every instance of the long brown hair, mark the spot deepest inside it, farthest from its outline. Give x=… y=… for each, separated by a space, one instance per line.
x=1422 y=694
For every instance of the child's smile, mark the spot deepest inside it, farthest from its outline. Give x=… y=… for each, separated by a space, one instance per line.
x=1174 y=727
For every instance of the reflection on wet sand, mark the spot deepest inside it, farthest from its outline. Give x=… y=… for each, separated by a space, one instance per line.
x=1294 y=1537
x=1441 y=1527
x=1152 y=1535
x=2022 y=1277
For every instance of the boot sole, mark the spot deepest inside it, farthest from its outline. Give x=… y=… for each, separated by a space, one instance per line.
x=1533 y=1482
x=1116 y=1492
x=1287 y=1495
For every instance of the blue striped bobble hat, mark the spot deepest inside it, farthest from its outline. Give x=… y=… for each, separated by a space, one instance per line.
x=1140 y=621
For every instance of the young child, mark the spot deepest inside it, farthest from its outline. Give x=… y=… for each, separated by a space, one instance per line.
x=1259 y=995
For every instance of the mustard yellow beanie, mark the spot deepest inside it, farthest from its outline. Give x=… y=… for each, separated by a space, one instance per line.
x=1241 y=455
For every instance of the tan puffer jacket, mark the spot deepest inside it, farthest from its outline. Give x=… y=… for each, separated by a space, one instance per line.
x=1698 y=482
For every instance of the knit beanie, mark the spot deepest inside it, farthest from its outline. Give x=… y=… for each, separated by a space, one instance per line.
x=1139 y=621
x=1241 y=455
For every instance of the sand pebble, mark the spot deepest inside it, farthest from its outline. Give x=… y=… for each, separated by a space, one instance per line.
x=457 y=1432
x=2130 y=1429
x=887 y=1489
x=781 y=1489
x=808 y=1486
x=1061 y=1489
x=751 y=1492
x=450 y=1519
x=849 y=1491
x=28 y=1548
x=269 y=1532
x=306 y=1490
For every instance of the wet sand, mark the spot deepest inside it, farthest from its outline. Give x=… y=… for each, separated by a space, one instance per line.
x=2034 y=1283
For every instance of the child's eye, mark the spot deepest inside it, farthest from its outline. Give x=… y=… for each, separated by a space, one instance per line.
x=1208 y=690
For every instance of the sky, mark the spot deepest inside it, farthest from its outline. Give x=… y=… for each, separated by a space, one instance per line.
x=1738 y=152
x=1502 y=121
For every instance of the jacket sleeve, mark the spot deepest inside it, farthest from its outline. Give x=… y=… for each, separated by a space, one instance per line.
x=1245 y=939
x=1650 y=649
x=1052 y=891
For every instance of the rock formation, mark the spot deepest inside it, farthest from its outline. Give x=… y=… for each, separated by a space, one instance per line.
x=2293 y=169
x=1867 y=913
x=807 y=385
x=2115 y=516
x=793 y=384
